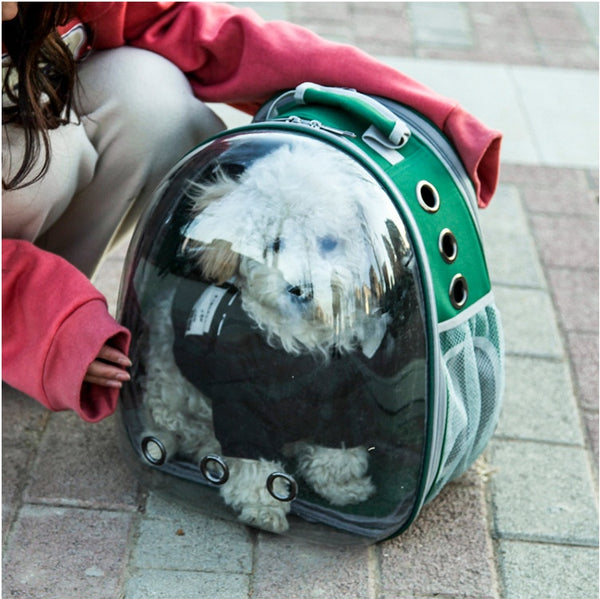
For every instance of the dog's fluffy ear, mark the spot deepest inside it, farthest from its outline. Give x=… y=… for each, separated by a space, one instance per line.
x=204 y=194
x=219 y=262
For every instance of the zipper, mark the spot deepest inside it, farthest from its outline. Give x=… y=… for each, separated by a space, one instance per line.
x=315 y=124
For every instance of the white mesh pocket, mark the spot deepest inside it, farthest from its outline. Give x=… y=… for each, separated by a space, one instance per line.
x=473 y=368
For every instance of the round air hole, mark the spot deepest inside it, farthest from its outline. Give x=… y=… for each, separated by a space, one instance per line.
x=214 y=469
x=282 y=486
x=154 y=451
x=428 y=196
x=448 y=246
x=459 y=291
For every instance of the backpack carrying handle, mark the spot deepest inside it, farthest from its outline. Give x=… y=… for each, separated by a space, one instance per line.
x=361 y=105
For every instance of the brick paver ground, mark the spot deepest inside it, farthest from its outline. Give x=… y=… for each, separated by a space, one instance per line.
x=554 y=34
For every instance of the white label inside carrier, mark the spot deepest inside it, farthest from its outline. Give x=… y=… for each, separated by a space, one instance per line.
x=204 y=311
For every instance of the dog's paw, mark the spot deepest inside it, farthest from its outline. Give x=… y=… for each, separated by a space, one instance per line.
x=269 y=518
x=338 y=475
x=246 y=493
x=346 y=492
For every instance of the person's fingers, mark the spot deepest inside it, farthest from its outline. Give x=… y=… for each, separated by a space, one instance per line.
x=101 y=373
x=112 y=354
x=103 y=382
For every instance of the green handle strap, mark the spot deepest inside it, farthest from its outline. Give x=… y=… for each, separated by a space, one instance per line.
x=349 y=100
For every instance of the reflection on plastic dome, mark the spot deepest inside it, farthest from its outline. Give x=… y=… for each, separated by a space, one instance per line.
x=280 y=345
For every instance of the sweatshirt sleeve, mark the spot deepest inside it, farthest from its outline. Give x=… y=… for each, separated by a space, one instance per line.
x=54 y=323
x=231 y=55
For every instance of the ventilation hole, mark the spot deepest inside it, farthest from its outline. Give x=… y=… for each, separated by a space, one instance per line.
x=428 y=196
x=214 y=469
x=459 y=291
x=154 y=451
x=282 y=486
x=448 y=246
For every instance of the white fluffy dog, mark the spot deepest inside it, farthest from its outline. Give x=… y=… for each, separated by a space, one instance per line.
x=297 y=234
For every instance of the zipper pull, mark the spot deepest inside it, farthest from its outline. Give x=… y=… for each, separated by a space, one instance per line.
x=318 y=125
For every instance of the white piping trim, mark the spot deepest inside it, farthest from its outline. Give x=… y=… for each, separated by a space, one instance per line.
x=481 y=303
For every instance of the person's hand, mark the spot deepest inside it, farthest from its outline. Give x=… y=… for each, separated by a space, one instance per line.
x=107 y=369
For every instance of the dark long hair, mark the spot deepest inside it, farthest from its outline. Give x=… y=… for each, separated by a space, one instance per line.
x=46 y=79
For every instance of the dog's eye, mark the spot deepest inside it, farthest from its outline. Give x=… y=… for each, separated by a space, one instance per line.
x=328 y=244
x=277 y=245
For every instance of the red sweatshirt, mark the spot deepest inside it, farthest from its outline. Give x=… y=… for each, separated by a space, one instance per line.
x=54 y=321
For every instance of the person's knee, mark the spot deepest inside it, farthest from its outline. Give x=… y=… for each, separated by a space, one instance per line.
x=144 y=98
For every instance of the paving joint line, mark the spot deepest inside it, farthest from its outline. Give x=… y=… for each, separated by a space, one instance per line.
x=68 y=504
x=511 y=439
x=489 y=518
x=549 y=541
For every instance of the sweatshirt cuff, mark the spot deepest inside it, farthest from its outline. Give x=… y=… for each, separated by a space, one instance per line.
x=75 y=346
x=479 y=150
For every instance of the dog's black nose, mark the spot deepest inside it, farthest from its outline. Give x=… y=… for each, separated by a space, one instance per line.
x=299 y=293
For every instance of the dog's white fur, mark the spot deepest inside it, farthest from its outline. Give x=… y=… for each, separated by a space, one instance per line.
x=296 y=235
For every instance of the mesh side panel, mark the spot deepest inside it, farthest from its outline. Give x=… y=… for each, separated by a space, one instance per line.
x=473 y=365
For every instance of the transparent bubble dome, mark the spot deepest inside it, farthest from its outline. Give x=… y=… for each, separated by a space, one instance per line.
x=279 y=345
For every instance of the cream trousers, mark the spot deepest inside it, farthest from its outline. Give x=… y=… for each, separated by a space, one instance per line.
x=135 y=116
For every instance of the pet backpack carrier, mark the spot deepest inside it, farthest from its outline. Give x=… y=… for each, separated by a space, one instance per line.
x=316 y=349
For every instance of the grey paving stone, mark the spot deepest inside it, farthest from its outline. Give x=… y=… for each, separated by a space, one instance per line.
x=230 y=116
x=445 y=552
x=161 y=507
x=583 y=349
x=23 y=418
x=575 y=293
x=529 y=322
x=298 y=570
x=440 y=24
x=79 y=464
x=410 y=595
x=593 y=176
x=196 y=543
x=570 y=184
x=553 y=190
x=543 y=492
x=558 y=113
x=323 y=11
x=568 y=54
x=510 y=249
x=566 y=241
x=15 y=463
x=165 y=584
x=331 y=20
x=394 y=10
x=589 y=15
x=564 y=24
x=401 y=45
x=67 y=553
x=378 y=32
x=532 y=570
x=590 y=420
x=539 y=403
